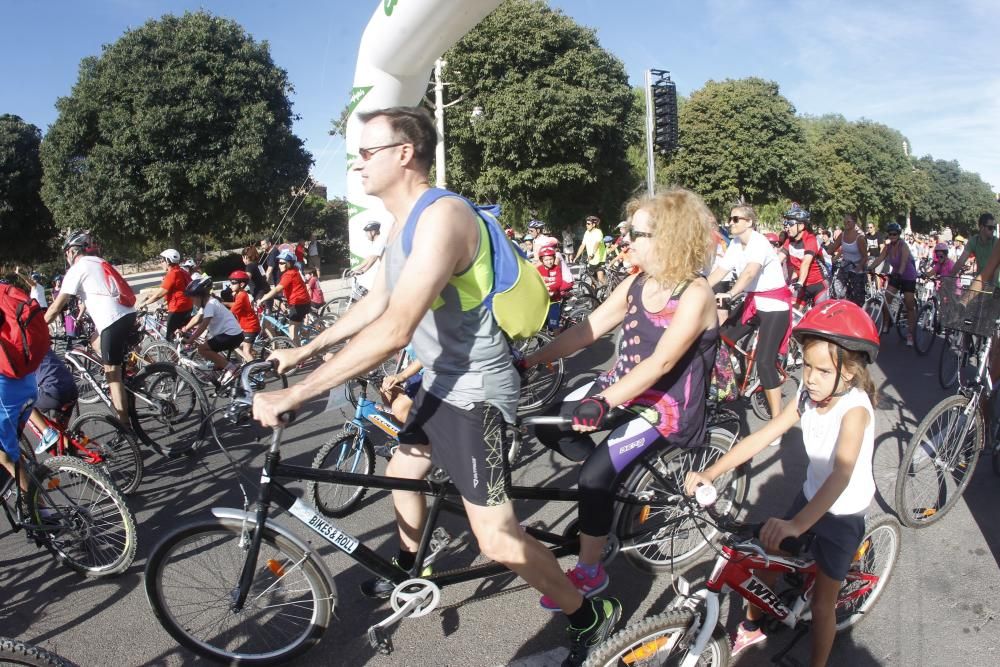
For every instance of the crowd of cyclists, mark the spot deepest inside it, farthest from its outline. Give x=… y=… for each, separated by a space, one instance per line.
x=676 y=285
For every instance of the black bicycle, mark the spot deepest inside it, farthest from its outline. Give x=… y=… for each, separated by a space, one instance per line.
x=240 y=587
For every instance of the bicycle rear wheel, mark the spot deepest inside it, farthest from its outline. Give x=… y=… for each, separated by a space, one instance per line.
x=117 y=448
x=87 y=393
x=541 y=383
x=91 y=529
x=167 y=408
x=938 y=462
x=655 y=535
x=870 y=571
x=873 y=307
x=16 y=652
x=191 y=577
x=352 y=452
x=264 y=345
x=923 y=337
x=952 y=359
x=664 y=639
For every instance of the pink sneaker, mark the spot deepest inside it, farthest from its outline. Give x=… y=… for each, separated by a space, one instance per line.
x=745 y=638
x=588 y=586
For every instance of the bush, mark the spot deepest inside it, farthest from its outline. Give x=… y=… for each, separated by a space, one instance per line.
x=220 y=267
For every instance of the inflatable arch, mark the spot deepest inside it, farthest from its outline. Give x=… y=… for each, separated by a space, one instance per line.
x=397 y=53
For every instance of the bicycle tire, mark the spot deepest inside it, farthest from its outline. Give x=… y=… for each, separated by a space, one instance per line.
x=210 y=552
x=923 y=337
x=873 y=307
x=171 y=425
x=100 y=520
x=351 y=452
x=334 y=308
x=950 y=361
x=541 y=383
x=648 y=534
x=882 y=539
x=932 y=458
x=902 y=324
x=641 y=643
x=160 y=351
x=86 y=392
x=117 y=447
x=16 y=652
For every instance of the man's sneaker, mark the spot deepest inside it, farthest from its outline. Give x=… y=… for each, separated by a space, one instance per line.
x=744 y=638
x=382 y=588
x=581 y=641
x=588 y=586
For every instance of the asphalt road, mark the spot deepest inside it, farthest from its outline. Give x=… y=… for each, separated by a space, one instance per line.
x=941 y=606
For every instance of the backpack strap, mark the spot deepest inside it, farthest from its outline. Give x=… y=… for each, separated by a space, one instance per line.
x=426 y=199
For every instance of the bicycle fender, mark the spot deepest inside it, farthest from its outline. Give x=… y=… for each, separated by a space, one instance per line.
x=251 y=518
x=707 y=628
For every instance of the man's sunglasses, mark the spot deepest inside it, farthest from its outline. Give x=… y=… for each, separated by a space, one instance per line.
x=367 y=153
x=736 y=218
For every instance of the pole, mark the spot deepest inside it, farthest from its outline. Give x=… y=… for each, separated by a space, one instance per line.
x=439 y=174
x=650 y=161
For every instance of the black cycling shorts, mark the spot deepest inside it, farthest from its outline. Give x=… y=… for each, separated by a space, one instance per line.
x=224 y=342
x=467 y=444
x=114 y=340
x=904 y=286
x=175 y=321
x=250 y=337
x=299 y=312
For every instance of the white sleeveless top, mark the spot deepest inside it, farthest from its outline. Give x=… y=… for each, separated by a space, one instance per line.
x=820 y=433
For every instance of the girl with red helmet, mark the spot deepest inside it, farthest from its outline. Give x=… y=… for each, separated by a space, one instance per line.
x=552 y=275
x=838 y=430
x=244 y=311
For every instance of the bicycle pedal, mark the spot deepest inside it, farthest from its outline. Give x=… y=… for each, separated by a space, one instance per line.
x=380 y=640
x=442 y=543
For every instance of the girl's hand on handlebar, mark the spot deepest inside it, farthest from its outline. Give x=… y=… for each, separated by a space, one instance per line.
x=695 y=479
x=390 y=381
x=588 y=414
x=776 y=530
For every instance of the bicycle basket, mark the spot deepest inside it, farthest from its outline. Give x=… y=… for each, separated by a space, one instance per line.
x=963 y=309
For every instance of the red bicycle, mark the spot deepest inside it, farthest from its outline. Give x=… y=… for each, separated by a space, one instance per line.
x=100 y=440
x=688 y=633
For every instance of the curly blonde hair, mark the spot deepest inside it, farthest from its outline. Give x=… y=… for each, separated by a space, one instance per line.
x=684 y=234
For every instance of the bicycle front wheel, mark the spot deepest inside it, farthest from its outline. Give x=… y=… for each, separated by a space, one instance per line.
x=664 y=639
x=952 y=358
x=542 y=382
x=16 y=652
x=191 y=579
x=88 y=526
x=349 y=453
x=870 y=571
x=114 y=449
x=656 y=535
x=873 y=307
x=167 y=408
x=923 y=337
x=938 y=462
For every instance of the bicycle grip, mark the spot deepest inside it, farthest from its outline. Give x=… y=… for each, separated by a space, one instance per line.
x=793 y=546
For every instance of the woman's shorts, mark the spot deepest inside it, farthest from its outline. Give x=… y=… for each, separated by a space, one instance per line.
x=838 y=537
x=297 y=313
x=904 y=286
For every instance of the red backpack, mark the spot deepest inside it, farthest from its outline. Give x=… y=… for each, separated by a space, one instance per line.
x=117 y=286
x=24 y=336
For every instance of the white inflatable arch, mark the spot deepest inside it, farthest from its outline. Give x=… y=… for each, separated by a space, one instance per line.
x=397 y=53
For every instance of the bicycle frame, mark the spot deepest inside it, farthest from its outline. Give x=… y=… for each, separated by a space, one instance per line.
x=67 y=440
x=99 y=387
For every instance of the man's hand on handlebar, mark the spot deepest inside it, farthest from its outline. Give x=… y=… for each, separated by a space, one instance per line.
x=268 y=407
x=287 y=358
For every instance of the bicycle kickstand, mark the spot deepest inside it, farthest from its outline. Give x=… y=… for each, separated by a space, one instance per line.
x=782 y=658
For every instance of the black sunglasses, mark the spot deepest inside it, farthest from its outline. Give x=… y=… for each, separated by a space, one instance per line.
x=367 y=153
x=639 y=235
x=737 y=218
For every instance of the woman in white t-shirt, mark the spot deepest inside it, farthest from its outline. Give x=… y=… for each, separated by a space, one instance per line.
x=224 y=331
x=838 y=430
x=757 y=266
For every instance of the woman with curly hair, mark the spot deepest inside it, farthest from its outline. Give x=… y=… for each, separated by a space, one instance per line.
x=669 y=329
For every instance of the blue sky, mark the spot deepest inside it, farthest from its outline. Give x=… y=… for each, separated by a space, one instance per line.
x=929 y=69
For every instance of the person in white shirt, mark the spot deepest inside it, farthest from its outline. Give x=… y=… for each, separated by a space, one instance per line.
x=109 y=301
x=754 y=261
x=369 y=267
x=224 y=331
x=37 y=289
x=313 y=252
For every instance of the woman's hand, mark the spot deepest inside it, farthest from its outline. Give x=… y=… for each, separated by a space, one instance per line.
x=390 y=381
x=776 y=530
x=695 y=479
x=587 y=415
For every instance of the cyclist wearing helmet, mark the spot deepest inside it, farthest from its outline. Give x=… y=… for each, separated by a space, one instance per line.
x=940 y=264
x=174 y=282
x=293 y=288
x=902 y=276
x=244 y=311
x=37 y=291
x=108 y=300
x=552 y=275
x=539 y=239
x=979 y=246
x=804 y=259
x=834 y=407
x=224 y=331
x=375 y=251
x=593 y=245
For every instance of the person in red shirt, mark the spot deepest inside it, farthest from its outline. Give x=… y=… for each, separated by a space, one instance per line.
x=802 y=251
x=558 y=287
x=293 y=288
x=244 y=311
x=300 y=255
x=176 y=279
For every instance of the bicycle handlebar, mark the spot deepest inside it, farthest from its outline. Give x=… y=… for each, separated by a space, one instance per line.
x=248 y=388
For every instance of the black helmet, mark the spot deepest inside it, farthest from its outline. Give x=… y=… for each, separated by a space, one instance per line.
x=79 y=239
x=373 y=227
x=201 y=286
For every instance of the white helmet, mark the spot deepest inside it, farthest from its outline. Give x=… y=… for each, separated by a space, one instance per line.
x=188 y=263
x=171 y=255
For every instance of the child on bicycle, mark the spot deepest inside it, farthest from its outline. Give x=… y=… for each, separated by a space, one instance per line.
x=552 y=275
x=244 y=311
x=224 y=331
x=838 y=430
x=399 y=389
x=57 y=395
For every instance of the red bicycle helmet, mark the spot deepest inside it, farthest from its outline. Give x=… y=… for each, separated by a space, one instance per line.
x=772 y=237
x=843 y=323
x=241 y=276
x=547 y=251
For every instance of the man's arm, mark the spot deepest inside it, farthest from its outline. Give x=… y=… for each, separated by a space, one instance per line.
x=426 y=272
x=57 y=306
x=963 y=258
x=987 y=276
x=367 y=264
x=150 y=297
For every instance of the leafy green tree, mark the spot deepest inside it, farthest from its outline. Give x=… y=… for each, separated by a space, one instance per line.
x=182 y=127
x=740 y=140
x=954 y=199
x=557 y=117
x=26 y=225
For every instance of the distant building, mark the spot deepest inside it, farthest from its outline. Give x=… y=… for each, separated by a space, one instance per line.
x=319 y=190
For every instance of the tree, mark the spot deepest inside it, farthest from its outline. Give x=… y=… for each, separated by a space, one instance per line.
x=26 y=225
x=557 y=117
x=181 y=128
x=740 y=140
x=954 y=199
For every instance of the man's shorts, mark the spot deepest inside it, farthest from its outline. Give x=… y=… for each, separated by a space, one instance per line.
x=15 y=395
x=466 y=444
x=298 y=312
x=838 y=537
x=224 y=342
x=115 y=338
x=250 y=337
